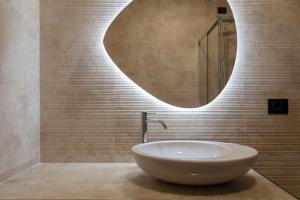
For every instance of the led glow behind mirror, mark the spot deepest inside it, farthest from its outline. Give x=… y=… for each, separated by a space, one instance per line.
x=181 y=52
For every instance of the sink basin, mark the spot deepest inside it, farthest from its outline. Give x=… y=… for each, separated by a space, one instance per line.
x=194 y=162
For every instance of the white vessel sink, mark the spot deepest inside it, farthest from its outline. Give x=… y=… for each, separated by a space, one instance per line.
x=194 y=162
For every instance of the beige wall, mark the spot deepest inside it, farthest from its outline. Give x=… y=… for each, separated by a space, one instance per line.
x=90 y=112
x=155 y=43
x=19 y=86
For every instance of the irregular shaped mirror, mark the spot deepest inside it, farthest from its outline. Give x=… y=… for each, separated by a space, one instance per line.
x=180 y=51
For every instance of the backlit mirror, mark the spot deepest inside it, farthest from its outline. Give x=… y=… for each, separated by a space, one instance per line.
x=180 y=51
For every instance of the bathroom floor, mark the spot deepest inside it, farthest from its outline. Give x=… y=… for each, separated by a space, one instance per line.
x=125 y=181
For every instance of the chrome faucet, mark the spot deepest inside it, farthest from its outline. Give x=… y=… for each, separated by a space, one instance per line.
x=145 y=121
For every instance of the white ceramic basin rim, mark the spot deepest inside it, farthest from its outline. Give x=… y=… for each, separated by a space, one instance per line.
x=194 y=162
x=194 y=151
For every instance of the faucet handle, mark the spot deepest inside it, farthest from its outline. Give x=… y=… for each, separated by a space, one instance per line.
x=148 y=113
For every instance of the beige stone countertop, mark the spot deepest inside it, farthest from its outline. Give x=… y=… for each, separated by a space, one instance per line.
x=126 y=181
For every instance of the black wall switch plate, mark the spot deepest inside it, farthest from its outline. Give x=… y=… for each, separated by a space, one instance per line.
x=278 y=106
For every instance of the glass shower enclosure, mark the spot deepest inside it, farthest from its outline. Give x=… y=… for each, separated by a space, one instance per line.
x=217 y=52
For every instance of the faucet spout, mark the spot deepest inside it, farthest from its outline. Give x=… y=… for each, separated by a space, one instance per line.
x=145 y=121
x=158 y=121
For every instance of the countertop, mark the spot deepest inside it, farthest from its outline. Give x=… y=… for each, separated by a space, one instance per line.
x=126 y=181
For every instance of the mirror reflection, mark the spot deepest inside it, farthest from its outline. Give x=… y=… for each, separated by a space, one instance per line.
x=181 y=52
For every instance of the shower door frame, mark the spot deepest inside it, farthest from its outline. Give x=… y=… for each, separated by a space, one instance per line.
x=221 y=82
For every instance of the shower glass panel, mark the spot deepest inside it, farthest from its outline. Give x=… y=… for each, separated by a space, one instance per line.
x=217 y=50
x=229 y=42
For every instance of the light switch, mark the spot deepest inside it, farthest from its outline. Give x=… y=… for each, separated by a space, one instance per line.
x=278 y=106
